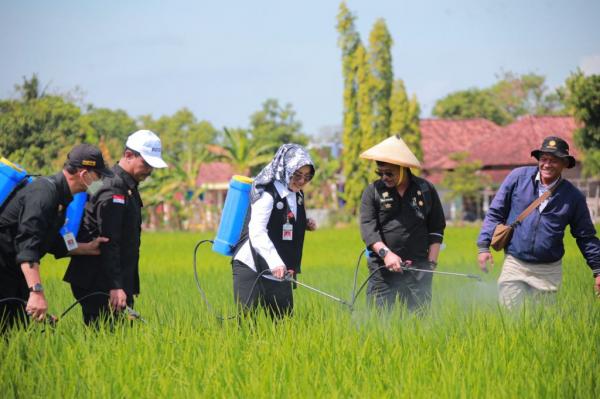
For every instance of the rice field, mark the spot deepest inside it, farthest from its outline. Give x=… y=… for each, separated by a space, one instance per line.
x=465 y=347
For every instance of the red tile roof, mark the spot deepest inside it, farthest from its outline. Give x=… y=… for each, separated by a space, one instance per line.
x=214 y=173
x=442 y=137
x=495 y=146
x=512 y=144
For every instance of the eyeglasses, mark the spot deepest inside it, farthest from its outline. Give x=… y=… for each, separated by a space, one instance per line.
x=297 y=176
x=386 y=174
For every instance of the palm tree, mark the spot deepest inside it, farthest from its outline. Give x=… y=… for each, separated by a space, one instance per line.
x=175 y=187
x=242 y=153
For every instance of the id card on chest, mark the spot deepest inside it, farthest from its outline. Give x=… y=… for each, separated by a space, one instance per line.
x=287 y=232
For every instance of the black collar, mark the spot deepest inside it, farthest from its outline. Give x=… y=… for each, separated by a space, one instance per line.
x=126 y=177
x=62 y=187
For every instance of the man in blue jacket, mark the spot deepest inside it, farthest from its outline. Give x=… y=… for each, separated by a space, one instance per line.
x=533 y=262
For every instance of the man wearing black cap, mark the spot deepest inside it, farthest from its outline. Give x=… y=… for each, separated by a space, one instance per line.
x=533 y=262
x=115 y=212
x=29 y=228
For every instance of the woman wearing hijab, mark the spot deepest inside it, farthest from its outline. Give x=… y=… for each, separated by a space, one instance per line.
x=273 y=235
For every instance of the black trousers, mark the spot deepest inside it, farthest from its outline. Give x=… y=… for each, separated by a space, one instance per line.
x=12 y=311
x=410 y=288
x=95 y=308
x=274 y=296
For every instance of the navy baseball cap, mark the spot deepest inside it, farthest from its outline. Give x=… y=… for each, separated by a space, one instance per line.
x=88 y=157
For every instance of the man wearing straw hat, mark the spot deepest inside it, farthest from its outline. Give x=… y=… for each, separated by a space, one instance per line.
x=401 y=220
x=533 y=262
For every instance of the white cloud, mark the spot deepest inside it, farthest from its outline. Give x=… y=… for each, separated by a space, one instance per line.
x=590 y=64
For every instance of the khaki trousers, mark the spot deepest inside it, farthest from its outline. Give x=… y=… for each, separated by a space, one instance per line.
x=520 y=279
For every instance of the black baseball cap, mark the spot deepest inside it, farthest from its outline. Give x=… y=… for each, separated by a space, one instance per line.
x=556 y=146
x=89 y=157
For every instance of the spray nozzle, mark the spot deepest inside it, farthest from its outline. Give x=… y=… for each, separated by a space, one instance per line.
x=133 y=315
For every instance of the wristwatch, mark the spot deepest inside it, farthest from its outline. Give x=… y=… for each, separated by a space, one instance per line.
x=36 y=288
x=383 y=251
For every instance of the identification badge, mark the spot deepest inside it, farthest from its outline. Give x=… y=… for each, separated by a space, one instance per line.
x=70 y=241
x=288 y=232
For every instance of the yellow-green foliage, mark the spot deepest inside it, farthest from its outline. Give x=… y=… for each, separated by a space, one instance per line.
x=466 y=346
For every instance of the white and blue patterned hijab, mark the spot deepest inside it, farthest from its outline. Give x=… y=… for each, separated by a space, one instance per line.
x=288 y=159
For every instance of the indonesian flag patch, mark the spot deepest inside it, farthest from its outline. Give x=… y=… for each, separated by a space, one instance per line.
x=118 y=199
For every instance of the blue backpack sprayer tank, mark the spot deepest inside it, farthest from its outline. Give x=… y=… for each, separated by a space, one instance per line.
x=233 y=216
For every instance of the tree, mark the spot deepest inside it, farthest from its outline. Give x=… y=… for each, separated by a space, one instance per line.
x=465 y=181
x=511 y=96
x=30 y=88
x=380 y=79
x=275 y=124
x=413 y=128
x=583 y=100
x=109 y=130
x=245 y=156
x=471 y=103
x=349 y=42
x=38 y=130
x=176 y=187
x=184 y=146
x=405 y=118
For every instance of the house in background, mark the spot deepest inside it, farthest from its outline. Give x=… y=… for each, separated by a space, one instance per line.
x=214 y=179
x=500 y=149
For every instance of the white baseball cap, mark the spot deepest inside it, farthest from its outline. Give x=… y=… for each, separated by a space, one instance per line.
x=148 y=145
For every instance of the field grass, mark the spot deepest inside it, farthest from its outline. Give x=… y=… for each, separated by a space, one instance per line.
x=466 y=347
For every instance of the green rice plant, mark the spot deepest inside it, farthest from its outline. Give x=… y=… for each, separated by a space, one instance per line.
x=466 y=346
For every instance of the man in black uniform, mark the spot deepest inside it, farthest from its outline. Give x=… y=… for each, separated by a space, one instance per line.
x=29 y=228
x=115 y=212
x=401 y=220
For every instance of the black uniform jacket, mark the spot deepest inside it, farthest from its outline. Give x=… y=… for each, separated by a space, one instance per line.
x=30 y=222
x=113 y=212
x=407 y=224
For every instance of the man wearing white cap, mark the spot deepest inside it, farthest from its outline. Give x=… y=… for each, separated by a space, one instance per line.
x=402 y=223
x=115 y=210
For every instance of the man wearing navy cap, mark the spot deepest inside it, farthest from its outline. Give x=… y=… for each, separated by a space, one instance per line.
x=29 y=228
x=533 y=262
x=115 y=212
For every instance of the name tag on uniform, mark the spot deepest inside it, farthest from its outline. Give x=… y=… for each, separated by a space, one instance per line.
x=70 y=241
x=288 y=232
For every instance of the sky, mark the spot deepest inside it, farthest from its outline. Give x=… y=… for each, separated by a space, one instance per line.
x=222 y=58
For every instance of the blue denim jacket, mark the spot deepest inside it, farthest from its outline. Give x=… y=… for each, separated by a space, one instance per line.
x=539 y=238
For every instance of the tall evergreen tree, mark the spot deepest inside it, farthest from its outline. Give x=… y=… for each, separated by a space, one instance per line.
x=380 y=81
x=404 y=118
x=348 y=42
x=412 y=137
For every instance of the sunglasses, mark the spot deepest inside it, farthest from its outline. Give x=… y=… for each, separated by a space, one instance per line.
x=297 y=176
x=386 y=174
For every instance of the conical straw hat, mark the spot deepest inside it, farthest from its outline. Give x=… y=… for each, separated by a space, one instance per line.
x=392 y=150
